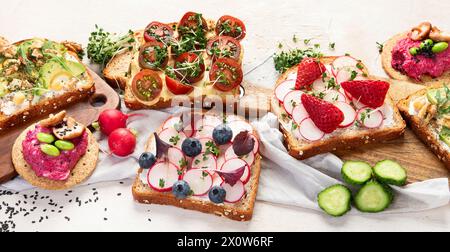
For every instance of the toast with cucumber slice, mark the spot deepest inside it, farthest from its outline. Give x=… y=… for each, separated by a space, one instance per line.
x=428 y=113
x=330 y=104
x=38 y=77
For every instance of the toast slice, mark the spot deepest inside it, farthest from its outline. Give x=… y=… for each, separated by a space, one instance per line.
x=122 y=68
x=386 y=61
x=426 y=130
x=340 y=139
x=240 y=211
x=54 y=103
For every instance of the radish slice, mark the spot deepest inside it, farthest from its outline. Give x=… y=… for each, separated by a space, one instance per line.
x=333 y=96
x=240 y=126
x=309 y=130
x=162 y=176
x=296 y=133
x=358 y=105
x=342 y=62
x=205 y=161
x=234 y=164
x=284 y=88
x=205 y=131
x=249 y=158
x=189 y=131
x=172 y=134
x=199 y=181
x=234 y=193
x=171 y=122
x=299 y=114
x=210 y=120
x=345 y=74
x=330 y=70
x=319 y=85
x=220 y=161
x=292 y=100
x=370 y=118
x=349 y=114
x=204 y=141
x=176 y=156
x=292 y=76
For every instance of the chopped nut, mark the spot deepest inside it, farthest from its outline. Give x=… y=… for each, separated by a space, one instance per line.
x=421 y=31
x=439 y=36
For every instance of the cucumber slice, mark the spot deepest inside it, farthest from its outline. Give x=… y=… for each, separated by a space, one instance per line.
x=356 y=172
x=374 y=197
x=335 y=200
x=390 y=172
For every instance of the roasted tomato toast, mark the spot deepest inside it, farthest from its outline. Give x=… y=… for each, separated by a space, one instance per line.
x=194 y=58
x=202 y=161
x=330 y=103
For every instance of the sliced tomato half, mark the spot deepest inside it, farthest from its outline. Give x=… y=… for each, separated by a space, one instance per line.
x=159 y=32
x=147 y=85
x=231 y=26
x=226 y=74
x=189 y=67
x=153 y=55
x=177 y=87
x=224 y=47
x=190 y=22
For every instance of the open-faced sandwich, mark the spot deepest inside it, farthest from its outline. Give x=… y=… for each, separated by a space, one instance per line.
x=420 y=55
x=202 y=161
x=39 y=76
x=330 y=103
x=56 y=153
x=194 y=58
x=428 y=113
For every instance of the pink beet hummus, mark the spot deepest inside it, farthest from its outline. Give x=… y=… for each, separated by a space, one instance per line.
x=417 y=66
x=53 y=168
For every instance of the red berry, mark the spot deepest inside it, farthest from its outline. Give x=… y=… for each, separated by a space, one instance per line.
x=325 y=115
x=309 y=70
x=369 y=92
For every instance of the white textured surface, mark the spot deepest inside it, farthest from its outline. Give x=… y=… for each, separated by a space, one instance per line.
x=355 y=26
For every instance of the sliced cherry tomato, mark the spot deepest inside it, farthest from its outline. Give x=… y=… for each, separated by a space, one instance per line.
x=189 y=67
x=226 y=74
x=146 y=85
x=190 y=22
x=177 y=87
x=159 y=32
x=224 y=47
x=153 y=55
x=231 y=26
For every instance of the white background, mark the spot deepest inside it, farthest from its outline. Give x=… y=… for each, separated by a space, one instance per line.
x=355 y=26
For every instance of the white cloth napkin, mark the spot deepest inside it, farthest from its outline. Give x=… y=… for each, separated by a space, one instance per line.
x=284 y=180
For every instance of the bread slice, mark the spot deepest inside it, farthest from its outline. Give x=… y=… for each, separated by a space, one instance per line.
x=82 y=171
x=241 y=211
x=49 y=105
x=345 y=139
x=426 y=132
x=118 y=74
x=386 y=61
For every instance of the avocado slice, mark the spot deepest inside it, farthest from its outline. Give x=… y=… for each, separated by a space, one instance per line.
x=56 y=73
x=444 y=135
x=432 y=95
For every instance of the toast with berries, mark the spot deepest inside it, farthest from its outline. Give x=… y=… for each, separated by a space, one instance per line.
x=207 y=163
x=332 y=103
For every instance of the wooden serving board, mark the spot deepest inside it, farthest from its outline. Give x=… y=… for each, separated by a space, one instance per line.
x=85 y=112
x=408 y=150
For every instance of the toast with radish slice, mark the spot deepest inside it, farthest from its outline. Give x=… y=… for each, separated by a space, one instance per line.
x=427 y=113
x=196 y=157
x=340 y=107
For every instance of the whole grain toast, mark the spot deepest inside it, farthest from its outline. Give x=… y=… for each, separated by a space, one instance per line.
x=241 y=211
x=386 y=61
x=117 y=74
x=423 y=130
x=345 y=140
x=82 y=171
x=49 y=105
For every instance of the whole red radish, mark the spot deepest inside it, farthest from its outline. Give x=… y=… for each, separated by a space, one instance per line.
x=122 y=142
x=112 y=119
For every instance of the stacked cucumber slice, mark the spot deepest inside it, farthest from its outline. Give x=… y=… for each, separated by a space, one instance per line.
x=374 y=196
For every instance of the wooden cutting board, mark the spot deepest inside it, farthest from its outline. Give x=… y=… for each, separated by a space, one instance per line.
x=414 y=155
x=85 y=112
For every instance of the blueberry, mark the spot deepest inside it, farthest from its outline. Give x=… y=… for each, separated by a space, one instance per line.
x=181 y=189
x=217 y=194
x=191 y=147
x=147 y=160
x=222 y=134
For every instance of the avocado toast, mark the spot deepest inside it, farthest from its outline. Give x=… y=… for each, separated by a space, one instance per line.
x=38 y=77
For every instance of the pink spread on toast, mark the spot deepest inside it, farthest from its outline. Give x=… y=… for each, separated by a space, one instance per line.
x=417 y=66
x=53 y=168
